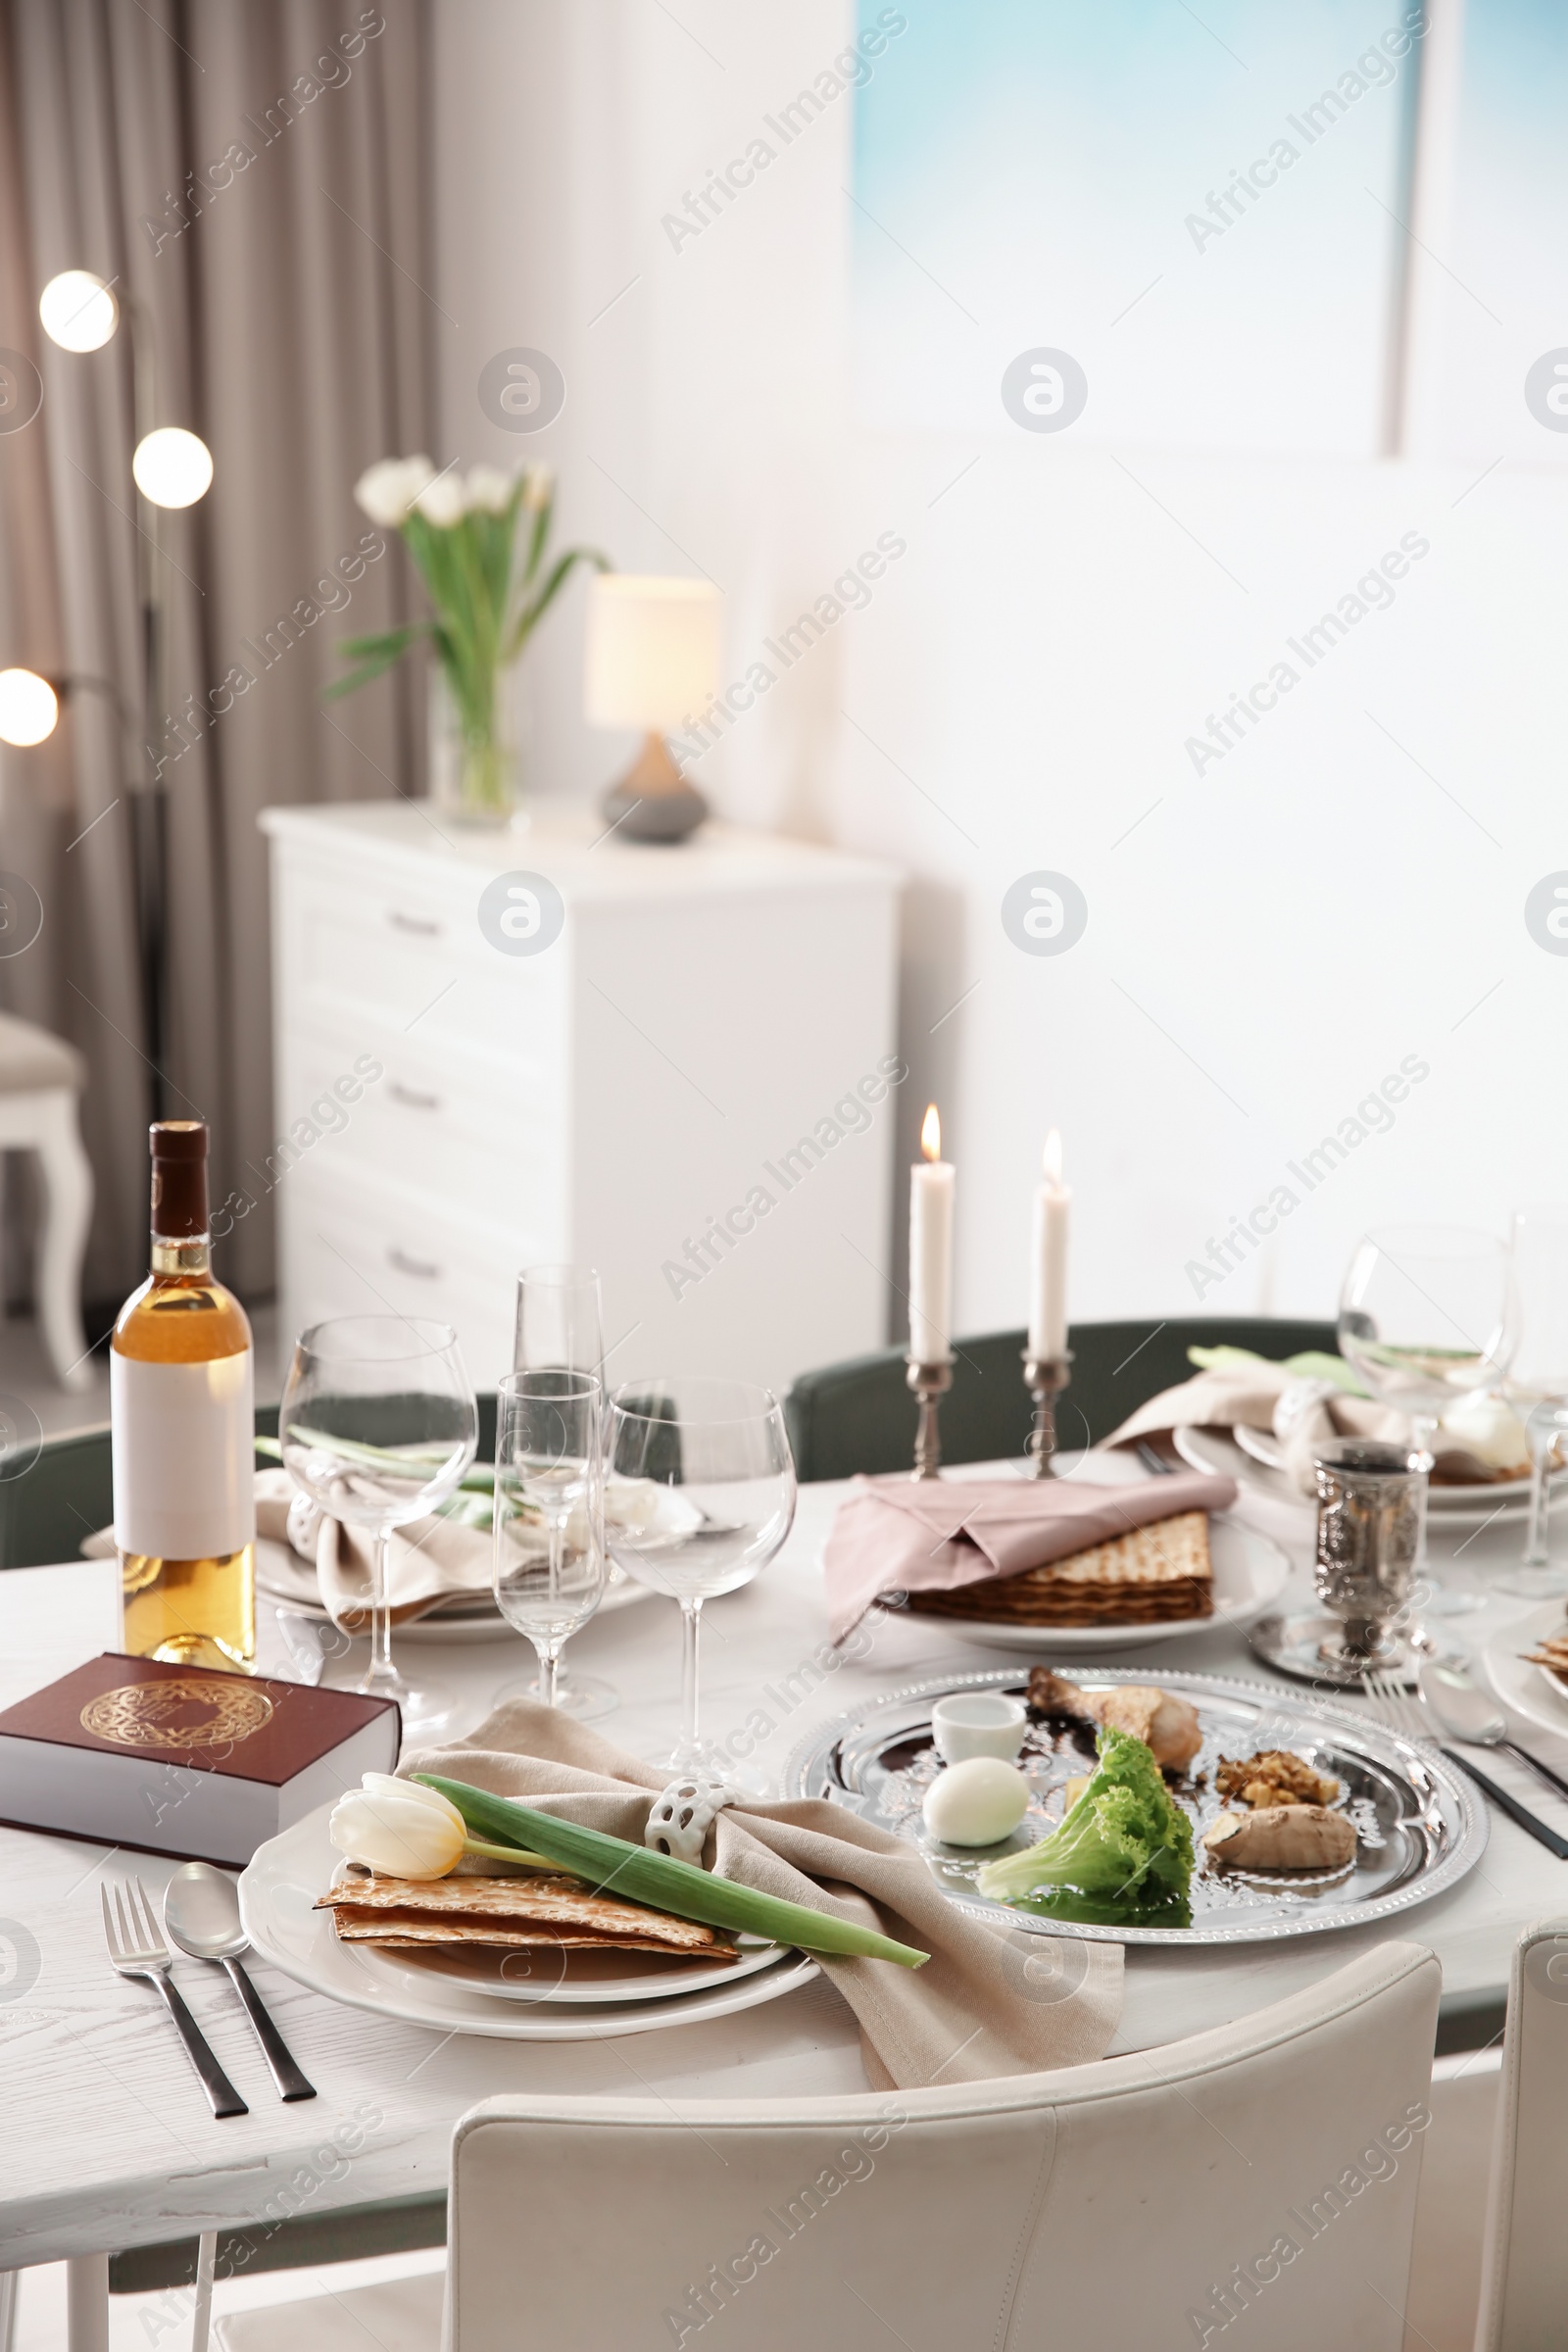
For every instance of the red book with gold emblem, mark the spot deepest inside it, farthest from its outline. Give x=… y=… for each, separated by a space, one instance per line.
x=183 y=1760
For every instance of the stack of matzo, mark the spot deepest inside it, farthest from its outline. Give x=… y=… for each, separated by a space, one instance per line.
x=400 y=1915
x=1147 y=1577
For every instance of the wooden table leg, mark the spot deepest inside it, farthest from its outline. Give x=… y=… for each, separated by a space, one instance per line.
x=87 y=2303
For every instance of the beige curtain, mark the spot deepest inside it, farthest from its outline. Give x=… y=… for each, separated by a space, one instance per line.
x=253 y=176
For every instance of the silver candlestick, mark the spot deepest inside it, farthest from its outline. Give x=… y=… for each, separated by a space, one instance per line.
x=930 y=1382
x=1045 y=1376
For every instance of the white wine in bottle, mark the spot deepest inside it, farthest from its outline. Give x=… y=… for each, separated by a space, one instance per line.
x=182 y=1409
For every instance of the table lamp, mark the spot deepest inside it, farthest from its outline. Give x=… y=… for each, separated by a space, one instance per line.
x=652 y=661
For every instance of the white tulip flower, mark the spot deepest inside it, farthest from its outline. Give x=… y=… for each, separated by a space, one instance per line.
x=441 y=501
x=387 y=491
x=399 y=1828
x=538 y=487
x=487 y=490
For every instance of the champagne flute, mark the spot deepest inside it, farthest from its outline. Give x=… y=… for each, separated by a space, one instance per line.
x=1537 y=1382
x=704 y=1500
x=1425 y=1317
x=560 y=1321
x=548 y=1514
x=560 y=1328
x=378 y=1424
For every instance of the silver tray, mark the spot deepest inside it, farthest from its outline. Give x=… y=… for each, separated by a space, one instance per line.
x=1421 y=1825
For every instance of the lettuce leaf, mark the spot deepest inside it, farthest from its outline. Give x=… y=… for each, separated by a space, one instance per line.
x=1125 y=1842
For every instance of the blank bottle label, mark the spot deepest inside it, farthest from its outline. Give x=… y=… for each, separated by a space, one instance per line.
x=184 y=1457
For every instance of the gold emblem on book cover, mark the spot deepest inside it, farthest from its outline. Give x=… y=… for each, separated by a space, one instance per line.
x=191 y=1711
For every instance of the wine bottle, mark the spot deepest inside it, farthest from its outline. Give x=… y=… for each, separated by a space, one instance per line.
x=182 y=1389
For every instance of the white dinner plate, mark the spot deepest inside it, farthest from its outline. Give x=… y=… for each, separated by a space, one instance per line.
x=481 y=1621
x=277 y=1895
x=570 y=1980
x=1534 y=1690
x=1250 y=1572
x=1218 y=1451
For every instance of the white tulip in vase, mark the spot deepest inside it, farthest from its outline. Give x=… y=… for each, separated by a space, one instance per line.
x=481 y=543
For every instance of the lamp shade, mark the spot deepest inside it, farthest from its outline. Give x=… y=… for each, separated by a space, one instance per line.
x=79 y=312
x=652 y=656
x=173 y=467
x=28 y=708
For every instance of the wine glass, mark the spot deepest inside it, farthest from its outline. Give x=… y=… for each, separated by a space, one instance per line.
x=704 y=1497
x=378 y=1424
x=560 y=1325
x=1425 y=1317
x=1537 y=1379
x=560 y=1328
x=548 y=1513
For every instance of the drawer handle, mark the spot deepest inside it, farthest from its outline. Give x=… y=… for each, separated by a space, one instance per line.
x=403 y=1263
x=412 y=1097
x=421 y=923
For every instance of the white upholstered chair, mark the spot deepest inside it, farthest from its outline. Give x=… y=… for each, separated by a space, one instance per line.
x=1259 y=2180
x=40 y=1078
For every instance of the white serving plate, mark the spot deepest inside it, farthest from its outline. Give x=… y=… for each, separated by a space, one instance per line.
x=1250 y=1572
x=1216 y=1450
x=277 y=1893
x=1534 y=1690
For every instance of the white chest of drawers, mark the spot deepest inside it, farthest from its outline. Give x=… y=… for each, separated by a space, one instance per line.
x=653 y=1093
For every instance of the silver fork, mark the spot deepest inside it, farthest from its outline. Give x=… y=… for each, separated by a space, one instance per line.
x=1409 y=1716
x=137 y=1948
x=1399 y=1709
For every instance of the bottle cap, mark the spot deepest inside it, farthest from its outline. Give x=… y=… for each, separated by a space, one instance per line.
x=179 y=1178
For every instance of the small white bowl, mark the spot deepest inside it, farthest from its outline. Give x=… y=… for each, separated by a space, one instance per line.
x=978 y=1723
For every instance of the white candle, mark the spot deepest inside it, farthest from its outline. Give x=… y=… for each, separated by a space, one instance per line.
x=931 y=1182
x=1048 y=1289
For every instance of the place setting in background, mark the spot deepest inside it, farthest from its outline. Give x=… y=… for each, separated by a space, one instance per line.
x=440 y=1573
x=1105 y=1556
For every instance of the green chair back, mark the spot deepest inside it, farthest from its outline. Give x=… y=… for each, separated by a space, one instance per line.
x=859 y=1415
x=68 y=1491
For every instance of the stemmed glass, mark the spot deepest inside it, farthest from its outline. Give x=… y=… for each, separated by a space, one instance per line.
x=548 y=1514
x=560 y=1325
x=1425 y=1317
x=378 y=1424
x=1538 y=1381
x=705 y=1495
x=560 y=1328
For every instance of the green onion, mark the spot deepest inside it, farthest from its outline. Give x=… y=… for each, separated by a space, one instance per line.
x=479 y=1479
x=662 y=1883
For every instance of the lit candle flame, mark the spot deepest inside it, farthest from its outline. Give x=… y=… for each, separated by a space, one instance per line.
x=1051 y=1157
x=931 y=1133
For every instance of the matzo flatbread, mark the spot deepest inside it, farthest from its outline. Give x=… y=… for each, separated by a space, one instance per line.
x=1149 y=1576
x=450 y=1904
x=412 y=1931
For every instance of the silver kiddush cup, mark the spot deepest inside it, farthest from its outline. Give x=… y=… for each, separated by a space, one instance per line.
x=1371 y=1506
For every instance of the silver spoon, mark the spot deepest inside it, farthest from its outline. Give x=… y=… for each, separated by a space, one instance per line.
x=201 y=1912
x=1467 y=1712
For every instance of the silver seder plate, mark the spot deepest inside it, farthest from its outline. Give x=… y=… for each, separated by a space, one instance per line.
x=1421 y=1826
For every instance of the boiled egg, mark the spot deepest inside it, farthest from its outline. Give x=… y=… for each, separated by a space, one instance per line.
x=977 y=1802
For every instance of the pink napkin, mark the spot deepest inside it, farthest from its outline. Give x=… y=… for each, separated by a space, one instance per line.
x=904 y=1535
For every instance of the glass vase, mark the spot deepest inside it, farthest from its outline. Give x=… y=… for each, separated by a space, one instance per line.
x=476 y=771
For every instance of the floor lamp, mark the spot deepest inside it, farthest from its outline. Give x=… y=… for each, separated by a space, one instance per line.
x=171 y=467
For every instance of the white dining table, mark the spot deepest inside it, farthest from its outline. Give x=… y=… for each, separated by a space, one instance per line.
x=107 y=2141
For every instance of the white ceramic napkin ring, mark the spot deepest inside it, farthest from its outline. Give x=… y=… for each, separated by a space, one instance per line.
x=678 y=1820
x=303 y=1523
x=1298 y=1401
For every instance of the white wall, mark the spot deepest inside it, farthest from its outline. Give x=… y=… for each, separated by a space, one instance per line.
x=1341 y=892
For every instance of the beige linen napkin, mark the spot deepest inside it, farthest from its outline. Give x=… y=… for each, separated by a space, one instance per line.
x=904 y=1535
x=988 y=2001
x=428 y=1561
x=1254 y=1394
